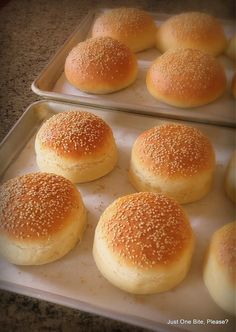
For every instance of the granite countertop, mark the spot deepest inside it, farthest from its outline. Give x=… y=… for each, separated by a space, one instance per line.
x=31 y=32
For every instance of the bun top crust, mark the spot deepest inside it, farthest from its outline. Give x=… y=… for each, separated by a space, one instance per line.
x=195 y=30
x=75 y=134
x=146 y=229
x=223 y=245
x=194 y=25
x=128 y=25
x=187 y=74
x=122 y=21
x=100 y=59
x=36 y=205
x=174 y=150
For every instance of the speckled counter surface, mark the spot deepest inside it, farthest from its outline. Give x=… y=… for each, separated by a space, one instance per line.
x=30 y=33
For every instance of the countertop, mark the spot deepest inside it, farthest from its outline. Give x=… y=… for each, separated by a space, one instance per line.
x=31 y=32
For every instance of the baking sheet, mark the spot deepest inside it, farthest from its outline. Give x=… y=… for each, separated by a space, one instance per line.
x=52 y=84
x=74 y=280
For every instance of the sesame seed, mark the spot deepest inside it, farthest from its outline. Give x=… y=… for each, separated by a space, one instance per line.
x=100 y=57
x=174 y=149
x=186 y=73
x=193 y=26
x=122 y=21
x=35 y=205
x=147 y=229
x=226 y=239
x=74 y=133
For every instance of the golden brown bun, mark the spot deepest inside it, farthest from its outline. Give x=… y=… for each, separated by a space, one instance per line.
x=131 y=26
x=230 y=178
x=42 y=216
x=186 y=78
x=233 y=85
x=144 y=243
x=101 y=65
x=220 y=268
x=77 y=145
x=174 y=159
x=192 y=30
x=231 y=49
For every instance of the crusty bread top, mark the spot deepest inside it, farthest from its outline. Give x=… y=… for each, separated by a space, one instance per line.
x=194 y=30
x=188 y=74
x=100 y=59
x=146 y=229
x=223 y=246
x=174 y=150
x=131 y=26
x=36 y=206
x=75 y=134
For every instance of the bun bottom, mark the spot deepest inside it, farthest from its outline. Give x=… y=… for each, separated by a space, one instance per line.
x=219 y=268
x=233 y=86
x=230 y=178
x=181 y=101
x=48 y=250
x=80 y=172
x=184 y=190
x=231 y=49
x=100 y=88
x=218 y=286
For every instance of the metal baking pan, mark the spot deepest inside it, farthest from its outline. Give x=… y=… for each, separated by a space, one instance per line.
x=52 y=84
x=74 y=280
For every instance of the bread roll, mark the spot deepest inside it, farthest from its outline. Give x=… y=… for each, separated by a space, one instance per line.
x=77 y=145
x=131 y=26
x=192 y=30
x=220 y=268
x=231 y=48
x=42 y=217
x=143 y=243
x=101 y=65
x=233 y=85
x=186 y=78
x=230 y=178
x=174 y=159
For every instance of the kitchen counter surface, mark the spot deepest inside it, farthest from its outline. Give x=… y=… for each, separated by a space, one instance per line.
x=31 y=33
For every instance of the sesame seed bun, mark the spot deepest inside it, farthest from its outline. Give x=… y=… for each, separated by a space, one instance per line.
x=233 y=85
x=144 y=243
x=220 y=268
x=131 y=26
x=174 y=159
x=101 y=65
x=42 y=217
x=192 y=30
x=231 y=48
x=186 y=78
x=230 y=178
x=77 y=145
